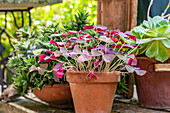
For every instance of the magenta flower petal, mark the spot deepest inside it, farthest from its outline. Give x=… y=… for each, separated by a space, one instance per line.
x=82 y=33
x=80 y=37
x=48 y=51
x=101 y=28
x=53 y=42
x=60 y=72
x=72 y=32
x=88 y=36
x=53 y=57
x=88 y=26
x=41 y=58
x=114 y=39
x=96 y=63
x=92 y=74
x=65 y=35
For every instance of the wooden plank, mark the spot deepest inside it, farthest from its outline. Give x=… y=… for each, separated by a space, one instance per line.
x=162 y=67
x=22 y=6
x=99 y=12
x=118 y=14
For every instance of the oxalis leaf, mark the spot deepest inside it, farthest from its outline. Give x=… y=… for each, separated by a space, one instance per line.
x=108 y=57
x=129 y=68
x=42 y=68
x=153 y=50
x=124 y=58
x=77 y=50
x=163 y=53
x=83 y=58
x=140 y=72
x=96 y=53
x=64 y=51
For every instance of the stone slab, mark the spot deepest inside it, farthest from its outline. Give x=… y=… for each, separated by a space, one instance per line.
x=23 y=105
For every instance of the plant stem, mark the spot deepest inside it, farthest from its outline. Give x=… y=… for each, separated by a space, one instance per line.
x=149 y=8
x=166 y=9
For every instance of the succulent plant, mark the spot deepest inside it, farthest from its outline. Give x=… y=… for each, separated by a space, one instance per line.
x=154 y=38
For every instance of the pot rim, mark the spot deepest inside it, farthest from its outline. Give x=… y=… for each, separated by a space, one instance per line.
x=103 y=77
x=78 y=72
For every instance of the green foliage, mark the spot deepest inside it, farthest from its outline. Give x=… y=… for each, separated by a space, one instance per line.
x=29 y=46
x=154 y=36
x=122 y=86
x=78 y=24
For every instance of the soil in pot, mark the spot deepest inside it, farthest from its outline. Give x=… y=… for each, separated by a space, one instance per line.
x=58 y=95
x=153 y=88
x=94 y=95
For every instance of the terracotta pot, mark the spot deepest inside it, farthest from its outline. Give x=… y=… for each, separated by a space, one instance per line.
x=94 y=95
x=154 y=87
x=58 y=95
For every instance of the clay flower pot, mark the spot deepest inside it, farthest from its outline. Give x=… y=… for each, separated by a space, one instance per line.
x=153 y=88
x=94 y=95
x=58 y=95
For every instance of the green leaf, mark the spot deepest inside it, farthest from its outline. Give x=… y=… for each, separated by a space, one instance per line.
x=163 y=22
x=144 y=48
x=161 y=30
x=159 y=38
x=157 y=19
x=151 y=33
x=163 y=53
x=153 y=50
x=166 y=42
x=145 y=23
x=144 y=41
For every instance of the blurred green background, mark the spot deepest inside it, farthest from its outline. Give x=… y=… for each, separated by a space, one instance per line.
x=57 y=13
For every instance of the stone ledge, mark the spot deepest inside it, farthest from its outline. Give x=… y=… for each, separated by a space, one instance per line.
x=31 y=104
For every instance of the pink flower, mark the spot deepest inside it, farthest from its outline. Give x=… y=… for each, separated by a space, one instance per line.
x=101 y=28
x=82 y=33
x=132 y=61
x=96 y=63
x=80 y=37
x=114 y=39
x=89 y=48
x=65 y=35
x=72 y=32
x=88 y=26
x=53 y=42
x=61 y=44
x=88 y=36
x=130 y=36
x=92 y=74
x=49 y=59
x=41 y=58
x=48 y=51
x=58 y=71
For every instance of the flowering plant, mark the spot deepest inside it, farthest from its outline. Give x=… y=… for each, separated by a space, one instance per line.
x=95 y=49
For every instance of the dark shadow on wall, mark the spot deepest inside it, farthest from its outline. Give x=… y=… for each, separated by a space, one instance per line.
x=157 y=8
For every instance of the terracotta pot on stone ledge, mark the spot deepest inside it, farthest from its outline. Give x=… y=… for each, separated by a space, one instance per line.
x=94 y=95
x=58 y=95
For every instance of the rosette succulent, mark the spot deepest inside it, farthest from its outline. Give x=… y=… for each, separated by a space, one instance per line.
x=154 y=38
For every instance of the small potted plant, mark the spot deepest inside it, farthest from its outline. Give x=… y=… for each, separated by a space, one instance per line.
x=95 y=58
x=34 y=67
x=35 y=64
x=154 y=38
